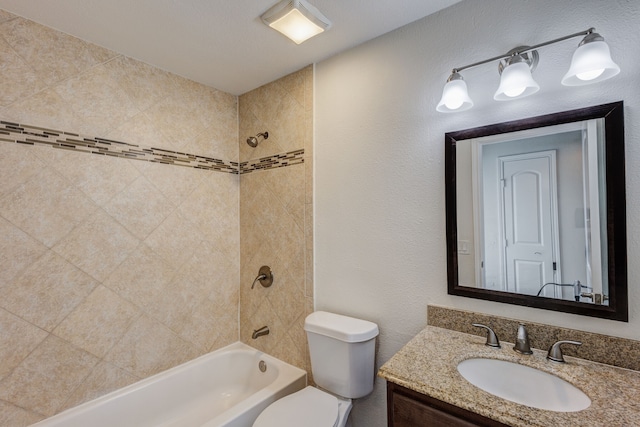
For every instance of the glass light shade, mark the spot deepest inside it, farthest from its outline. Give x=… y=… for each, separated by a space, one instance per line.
x=516 y=82
x=454 y=97
x=591 y=63
x=296 y=19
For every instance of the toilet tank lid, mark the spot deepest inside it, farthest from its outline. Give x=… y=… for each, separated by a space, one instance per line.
x=343 y=328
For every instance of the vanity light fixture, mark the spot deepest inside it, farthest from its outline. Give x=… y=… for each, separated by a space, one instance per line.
x=296 y=19
x=591 y=63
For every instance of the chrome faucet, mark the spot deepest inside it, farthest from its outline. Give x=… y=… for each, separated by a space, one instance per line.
x=260 y=332
x=555 y=352
x=522 y=341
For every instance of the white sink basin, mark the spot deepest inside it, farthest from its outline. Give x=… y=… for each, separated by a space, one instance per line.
x=524 y=385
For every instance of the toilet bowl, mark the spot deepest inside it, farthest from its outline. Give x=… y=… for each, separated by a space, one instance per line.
x=309 y=407
x=342 y=351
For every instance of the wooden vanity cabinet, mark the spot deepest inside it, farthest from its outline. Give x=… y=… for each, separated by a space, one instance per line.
x=407 y=408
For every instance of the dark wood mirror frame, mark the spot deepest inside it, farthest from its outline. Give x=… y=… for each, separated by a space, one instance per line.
x=613 y=115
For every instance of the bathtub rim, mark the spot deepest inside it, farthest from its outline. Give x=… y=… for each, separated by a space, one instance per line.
x=230 y=414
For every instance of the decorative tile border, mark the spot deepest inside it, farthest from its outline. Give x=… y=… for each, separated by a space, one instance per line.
x=32 y=135
x=276 y=161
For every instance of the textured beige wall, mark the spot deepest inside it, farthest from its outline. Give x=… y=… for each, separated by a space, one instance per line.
x=111 y=269
x=276 y=217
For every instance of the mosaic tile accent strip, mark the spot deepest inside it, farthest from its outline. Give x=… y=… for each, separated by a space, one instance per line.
x=33 y=135
x=276 y=161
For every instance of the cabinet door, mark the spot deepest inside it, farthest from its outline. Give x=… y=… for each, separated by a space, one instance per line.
x=407 y=408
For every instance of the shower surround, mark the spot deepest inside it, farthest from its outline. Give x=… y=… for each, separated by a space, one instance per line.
x=112 y=269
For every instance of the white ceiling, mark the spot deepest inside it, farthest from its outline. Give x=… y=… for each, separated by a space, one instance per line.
x=221 y=43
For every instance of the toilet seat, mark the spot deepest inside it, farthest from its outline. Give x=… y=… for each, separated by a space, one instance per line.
x=308 y=407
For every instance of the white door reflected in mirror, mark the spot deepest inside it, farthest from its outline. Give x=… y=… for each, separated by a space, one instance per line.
x=531 y=205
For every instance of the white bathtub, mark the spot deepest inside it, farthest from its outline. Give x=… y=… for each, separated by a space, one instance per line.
x=222 y=388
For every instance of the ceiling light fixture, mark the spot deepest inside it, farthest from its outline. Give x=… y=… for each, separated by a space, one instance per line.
x=296 y=19
x=591 y=63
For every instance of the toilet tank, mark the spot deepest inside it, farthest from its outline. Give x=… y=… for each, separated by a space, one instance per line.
x=342 y=351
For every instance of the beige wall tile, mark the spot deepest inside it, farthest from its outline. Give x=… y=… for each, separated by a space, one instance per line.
x=45 y=109
x=287 y=299
x=287 y=350
x=179 y=119
x=213 y=205
x=219 y=140
x=98 y=322
x=98 y=100
x=99 y=177
x=17 y=339
x=47 y=376
x=49 y=56
x=145 y=85
x=148 y=348
x=47 y=206
x=209 y=263
x=97 y=246
x=47 y=291
x=278 y=107
x=17 y=164
x=206 y=321
x=5 y=16
x=104 y=379
x=14 y=416
x=274 y=227
x=141 y=278
x=17 y=252
x=15 y=69
x=53 y=54
x=140 y=207
x=176 y=303
x=175 y=240
x=227 y=335
x=176 y=183
x=141 y=130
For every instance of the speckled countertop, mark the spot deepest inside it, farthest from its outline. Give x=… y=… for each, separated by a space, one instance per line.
x=428 y=365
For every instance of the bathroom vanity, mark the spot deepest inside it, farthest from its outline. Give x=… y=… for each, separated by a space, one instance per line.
x=425 y=387
x=408 y=408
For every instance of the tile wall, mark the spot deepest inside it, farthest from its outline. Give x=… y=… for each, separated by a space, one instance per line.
x=111 y=269
x=276 y=215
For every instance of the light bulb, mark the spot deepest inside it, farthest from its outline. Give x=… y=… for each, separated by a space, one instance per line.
x=516 y=91
x=590 y=75
x=456 y=97
x=454 y=104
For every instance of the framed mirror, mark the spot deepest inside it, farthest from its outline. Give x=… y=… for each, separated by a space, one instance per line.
x=536 y=212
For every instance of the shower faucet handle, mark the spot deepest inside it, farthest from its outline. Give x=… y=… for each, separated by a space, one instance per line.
x=265 y=277
x=492 y=338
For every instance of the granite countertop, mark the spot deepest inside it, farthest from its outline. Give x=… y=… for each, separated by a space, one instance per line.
x=428 y=365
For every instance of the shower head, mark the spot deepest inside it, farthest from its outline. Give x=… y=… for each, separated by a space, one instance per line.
x=253 y=140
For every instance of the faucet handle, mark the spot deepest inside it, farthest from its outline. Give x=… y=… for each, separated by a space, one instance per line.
x=555 y=352
x=492 y=338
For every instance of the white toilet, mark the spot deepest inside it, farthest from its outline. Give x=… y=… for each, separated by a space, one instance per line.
x=342 y=353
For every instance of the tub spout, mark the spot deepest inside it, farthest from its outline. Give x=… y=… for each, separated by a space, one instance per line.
x=260 y=332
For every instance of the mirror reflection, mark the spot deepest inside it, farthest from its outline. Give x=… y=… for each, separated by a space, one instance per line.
x=531 y=212
x=536 y=212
